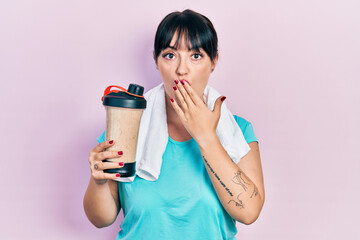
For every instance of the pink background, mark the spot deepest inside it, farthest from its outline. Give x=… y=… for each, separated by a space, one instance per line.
x=292 y=68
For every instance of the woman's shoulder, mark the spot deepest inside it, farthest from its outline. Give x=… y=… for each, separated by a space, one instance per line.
x=246 y=128
x=241 y=121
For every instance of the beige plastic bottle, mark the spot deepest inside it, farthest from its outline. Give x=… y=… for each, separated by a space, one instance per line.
x=123 y=114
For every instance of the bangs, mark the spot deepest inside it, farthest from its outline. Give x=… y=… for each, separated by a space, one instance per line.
x=193 y=28
x=190 y=36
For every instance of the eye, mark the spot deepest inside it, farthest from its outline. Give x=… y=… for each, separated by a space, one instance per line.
x=168 y=56
x=197 y=56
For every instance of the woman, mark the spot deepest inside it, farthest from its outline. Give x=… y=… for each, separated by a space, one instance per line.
x=200 y=191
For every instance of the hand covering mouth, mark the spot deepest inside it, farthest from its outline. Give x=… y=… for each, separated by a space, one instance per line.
x=185 y=81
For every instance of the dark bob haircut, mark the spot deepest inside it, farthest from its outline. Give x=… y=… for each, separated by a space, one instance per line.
x=197 y=29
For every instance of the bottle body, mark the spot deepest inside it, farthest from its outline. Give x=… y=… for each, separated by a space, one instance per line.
x=122 y=126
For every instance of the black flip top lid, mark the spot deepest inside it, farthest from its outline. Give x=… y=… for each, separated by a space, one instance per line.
x=126 y=100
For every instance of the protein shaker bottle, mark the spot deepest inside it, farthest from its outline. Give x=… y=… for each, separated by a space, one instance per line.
x=123 y=113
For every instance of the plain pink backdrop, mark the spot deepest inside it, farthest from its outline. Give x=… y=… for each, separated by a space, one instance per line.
x=289 y=67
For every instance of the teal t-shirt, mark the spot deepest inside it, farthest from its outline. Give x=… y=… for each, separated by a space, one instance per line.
x=182 y=202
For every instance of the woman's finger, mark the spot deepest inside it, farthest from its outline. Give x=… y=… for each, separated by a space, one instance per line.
x=177 y=109
x=179 y=98
x=100 y=175
x=192 y=94
x=102 y=146
x=107 y=154
x=100 y=166
x=185 y=94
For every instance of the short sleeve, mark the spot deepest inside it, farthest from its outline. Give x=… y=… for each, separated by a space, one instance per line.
x=101 y=138
x=246 y=128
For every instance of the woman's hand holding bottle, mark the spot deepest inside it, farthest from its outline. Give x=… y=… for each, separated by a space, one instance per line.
x=97 y=155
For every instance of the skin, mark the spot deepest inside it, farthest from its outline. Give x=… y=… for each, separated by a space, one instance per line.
x=101 y=200
x=239 y=187
x=183 y=64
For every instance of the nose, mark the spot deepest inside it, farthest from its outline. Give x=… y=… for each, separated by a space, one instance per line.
x=182 y=67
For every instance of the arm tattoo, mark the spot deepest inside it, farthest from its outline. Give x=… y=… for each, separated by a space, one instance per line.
x=239 y=179
x=255 y=192
x=238 y=203
x=217 y=177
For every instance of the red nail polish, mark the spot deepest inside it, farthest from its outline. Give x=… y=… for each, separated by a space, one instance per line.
x=120 y=152
x=176 y=81
x=223 y=98
x=121 y=164
x=111 y=142
x=172 y=100
x=118 y=175
x=175 y=88
x=182 y=82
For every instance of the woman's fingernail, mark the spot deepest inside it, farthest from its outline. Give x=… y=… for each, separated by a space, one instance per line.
x=176 y=81
x=172 y=100
x=121 y=164
x=223 y=98
x=111 y=142
x=182 y=82
x=118 y=175
x=187 y=82
x=174 y=87
x=120 y=152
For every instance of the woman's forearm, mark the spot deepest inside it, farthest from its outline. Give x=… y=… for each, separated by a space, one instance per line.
x=99 y=204
x=237 y=193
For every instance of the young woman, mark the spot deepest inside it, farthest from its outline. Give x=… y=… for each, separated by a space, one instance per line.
x=201 y=191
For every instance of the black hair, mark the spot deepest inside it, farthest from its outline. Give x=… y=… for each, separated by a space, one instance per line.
x=198 y=30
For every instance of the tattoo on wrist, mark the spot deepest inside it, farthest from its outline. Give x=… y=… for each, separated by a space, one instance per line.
x=217 y=177
x=239 y=179
x=238 y=203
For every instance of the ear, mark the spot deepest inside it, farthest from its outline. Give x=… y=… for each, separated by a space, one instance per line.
x=213 y=64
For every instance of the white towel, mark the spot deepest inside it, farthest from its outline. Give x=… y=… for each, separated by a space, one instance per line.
x=153 y=133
